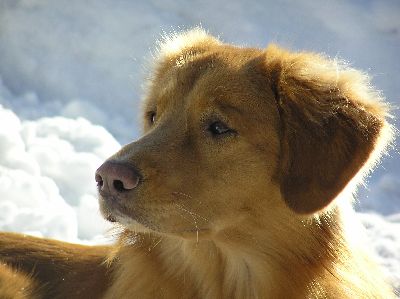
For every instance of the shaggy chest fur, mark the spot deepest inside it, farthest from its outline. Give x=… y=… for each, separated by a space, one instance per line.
x=245 y=264
x=250 y=268
x=190 y=269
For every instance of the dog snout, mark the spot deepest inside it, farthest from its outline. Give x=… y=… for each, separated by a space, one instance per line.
x=115 y=178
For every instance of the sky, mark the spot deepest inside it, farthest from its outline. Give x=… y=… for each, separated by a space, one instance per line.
x=71 y=76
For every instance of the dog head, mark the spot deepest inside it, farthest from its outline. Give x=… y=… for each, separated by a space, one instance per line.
x=235 y=135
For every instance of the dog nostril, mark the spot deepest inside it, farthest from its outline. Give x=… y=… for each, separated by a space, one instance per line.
x=119 y=186
x=99 y=180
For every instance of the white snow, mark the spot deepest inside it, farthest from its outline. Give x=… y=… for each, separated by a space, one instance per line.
x=46 y=175
x=71 y=71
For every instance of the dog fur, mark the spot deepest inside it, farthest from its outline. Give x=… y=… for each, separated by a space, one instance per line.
x=262 y=210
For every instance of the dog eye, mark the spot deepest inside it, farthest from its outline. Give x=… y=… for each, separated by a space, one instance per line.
x=219 y=128
x=152 y=117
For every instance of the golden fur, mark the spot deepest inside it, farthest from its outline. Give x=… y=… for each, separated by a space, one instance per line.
x=262 y=210
x=14 y=285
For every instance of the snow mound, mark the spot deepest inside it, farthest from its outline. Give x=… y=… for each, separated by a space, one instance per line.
x=384 y=236
x=47 y=176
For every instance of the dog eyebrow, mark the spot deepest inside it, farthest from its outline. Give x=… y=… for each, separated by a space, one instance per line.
x=225 y=106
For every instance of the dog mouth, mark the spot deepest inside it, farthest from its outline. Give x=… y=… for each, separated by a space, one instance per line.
x=111 y=207
x=114 y=211
x=111 y=218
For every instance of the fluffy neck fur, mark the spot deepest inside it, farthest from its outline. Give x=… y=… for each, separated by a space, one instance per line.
x=245 y=262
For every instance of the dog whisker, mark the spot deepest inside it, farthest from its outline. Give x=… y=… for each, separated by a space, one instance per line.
x=182 y=194
x=154 y=246
x=194 y=220
x=191 y=212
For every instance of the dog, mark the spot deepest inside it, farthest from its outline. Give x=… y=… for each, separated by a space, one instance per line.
x=240 y=187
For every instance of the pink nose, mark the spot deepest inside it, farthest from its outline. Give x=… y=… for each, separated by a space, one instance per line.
x=116 y=178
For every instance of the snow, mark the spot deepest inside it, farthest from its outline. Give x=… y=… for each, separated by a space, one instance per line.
x=46 y=175
x=385 y=241
x=71 y=71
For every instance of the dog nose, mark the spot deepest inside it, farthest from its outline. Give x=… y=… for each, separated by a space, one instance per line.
x=116 y=178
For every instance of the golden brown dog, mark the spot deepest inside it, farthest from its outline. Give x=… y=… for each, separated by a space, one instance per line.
x=239 y=188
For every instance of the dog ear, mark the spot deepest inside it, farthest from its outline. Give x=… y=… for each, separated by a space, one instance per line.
x=331 y=121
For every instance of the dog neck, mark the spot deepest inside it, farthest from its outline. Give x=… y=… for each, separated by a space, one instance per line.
x=238 y=262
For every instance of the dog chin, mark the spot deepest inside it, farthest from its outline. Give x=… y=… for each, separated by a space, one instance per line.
x=131 y=224
x=137 y=227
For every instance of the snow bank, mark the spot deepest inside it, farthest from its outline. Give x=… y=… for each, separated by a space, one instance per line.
x=47 y=170
x=384 y=236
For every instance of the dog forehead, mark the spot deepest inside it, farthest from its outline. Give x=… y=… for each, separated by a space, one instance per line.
x=205 y=88
x=195 y=65
x=217 y=69
x=174 y=44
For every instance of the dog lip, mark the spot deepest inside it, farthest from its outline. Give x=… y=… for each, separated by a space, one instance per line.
x=104 y=194
x=110 y=200
x=111 y=218
x=110 y=197
x=112 y=204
